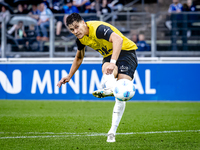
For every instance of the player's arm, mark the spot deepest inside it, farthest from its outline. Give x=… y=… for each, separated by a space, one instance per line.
x=77 y=62
x=117 y=42
x=105 y=32
x=75 y=65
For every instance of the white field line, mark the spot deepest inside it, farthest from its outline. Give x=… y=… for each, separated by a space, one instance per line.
x=66 y=134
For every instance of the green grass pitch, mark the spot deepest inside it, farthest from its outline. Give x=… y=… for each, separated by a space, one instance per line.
x=28 y=125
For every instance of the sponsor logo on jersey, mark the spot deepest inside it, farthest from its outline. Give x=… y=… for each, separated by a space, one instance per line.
x=105 y=31
x=123 y=68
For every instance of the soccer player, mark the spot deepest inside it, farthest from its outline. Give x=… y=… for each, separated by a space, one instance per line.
x=119 y=59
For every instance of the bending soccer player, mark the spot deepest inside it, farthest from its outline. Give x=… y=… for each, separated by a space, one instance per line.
x=119 y=59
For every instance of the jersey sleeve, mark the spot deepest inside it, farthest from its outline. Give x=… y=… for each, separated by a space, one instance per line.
x=79 y=44
x=103 y=32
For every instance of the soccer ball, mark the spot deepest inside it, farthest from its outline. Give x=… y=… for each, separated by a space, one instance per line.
x=124 y=90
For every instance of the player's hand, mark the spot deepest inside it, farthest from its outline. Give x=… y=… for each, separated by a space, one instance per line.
x=63 y=81
x=110 y=68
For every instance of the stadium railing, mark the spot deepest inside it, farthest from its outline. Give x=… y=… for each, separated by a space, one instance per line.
x=98 y=60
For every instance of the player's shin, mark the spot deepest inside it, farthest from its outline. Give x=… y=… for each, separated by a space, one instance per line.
x=118 y=111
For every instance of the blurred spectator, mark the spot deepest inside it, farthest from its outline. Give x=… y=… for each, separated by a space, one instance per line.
x=34 y=12
x=69 y=8
x=20 y=32
x=80 y=4
x=43 y=23
x=142 y=45
x=175 y=7
x=175 y=23
x=116 y=5
x=104 y=9
x=31 y=42
x=57 y=4
x=90 y=7
x=189 y=6
x=134 y=38
x=20 y=9
x=46 y=2
x=4 y=14
x=25 y=8
x=20 y=35
x=190 y=18
x=97 y=6
x=32 y=32
x=57 y=9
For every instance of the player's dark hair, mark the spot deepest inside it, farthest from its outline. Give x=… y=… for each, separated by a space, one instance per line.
x=73 y=17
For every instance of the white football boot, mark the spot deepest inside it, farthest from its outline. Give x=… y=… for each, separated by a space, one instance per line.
x=106 y=89
x=111 y=137
x=103 y=93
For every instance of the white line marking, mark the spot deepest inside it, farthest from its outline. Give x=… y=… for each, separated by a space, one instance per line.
x=66 y=134
x=26 y=137
x=37 y=133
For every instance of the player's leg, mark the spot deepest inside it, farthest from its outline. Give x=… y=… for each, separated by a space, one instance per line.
x=107 y=83
x=118 y=112
x=127 y=64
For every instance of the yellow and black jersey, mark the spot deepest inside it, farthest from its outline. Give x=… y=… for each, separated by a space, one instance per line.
x=98 y=38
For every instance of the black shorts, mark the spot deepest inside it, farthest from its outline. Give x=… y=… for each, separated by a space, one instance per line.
x=126 y=63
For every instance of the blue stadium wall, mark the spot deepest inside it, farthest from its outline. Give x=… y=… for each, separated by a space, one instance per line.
x=154 y=81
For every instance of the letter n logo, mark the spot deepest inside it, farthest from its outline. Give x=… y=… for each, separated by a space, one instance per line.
x=16 y=80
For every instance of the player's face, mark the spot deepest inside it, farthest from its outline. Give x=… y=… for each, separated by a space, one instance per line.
x=79 y=29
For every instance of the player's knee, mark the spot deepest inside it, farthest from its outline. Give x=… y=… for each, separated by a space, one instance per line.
x=115 y=71
x=108 y=81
